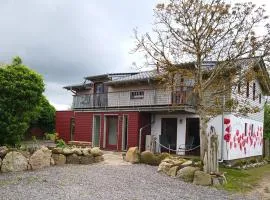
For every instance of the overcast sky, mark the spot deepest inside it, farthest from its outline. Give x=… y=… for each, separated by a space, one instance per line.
x=66 y=40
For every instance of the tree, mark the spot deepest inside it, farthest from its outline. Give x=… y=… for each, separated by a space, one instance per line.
x=46 y=116
x=266 y=131
x=204 y=30
x=20 y=94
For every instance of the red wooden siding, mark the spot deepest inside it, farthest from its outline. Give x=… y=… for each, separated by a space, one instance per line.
x=83 y=126
x=62 y=124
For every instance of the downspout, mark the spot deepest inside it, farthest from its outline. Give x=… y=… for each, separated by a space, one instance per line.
x=140 y=133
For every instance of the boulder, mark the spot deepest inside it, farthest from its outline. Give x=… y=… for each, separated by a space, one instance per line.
x=96 y=151
x=67 y=151
x=99 y=159
x=0 y=163
x=173 y=171
x=14 y=162
x=202 y=178
x=187 y=173
x=132 y=155
x=52 y=161
x=164 y=167
x=41 y=158
x=3 y=151
x=76 y=151
x=25 y=153
x=73 y=159
x=59 y=159
x=57 y=150
x=149 y=158
x=86 y=160
x=187 y=163
x=86 y=151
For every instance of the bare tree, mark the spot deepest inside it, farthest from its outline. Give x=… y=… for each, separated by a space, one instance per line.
x=204 y=30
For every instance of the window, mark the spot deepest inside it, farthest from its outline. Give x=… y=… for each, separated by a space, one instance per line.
x=260 y=98
x=247 y=90
x=137 y=95
x=252 y=131
x=245 y=129
x=254 y=91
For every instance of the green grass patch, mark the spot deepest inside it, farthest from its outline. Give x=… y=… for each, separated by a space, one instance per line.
x=240 y=180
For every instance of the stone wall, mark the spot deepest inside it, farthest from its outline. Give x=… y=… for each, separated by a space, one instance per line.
x=13 y=160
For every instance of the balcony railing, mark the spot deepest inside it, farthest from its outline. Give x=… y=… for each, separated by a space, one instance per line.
x=136 y=98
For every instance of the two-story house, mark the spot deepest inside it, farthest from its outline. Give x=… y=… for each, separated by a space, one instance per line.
x=117 y=111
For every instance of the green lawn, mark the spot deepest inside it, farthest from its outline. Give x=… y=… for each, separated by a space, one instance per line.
x=244 y=180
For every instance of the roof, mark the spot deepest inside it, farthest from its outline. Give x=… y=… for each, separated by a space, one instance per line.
x=136 y=77
x=108 y=77
x=78 y=86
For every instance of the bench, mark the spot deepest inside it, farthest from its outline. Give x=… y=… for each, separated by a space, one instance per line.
x=80 y=143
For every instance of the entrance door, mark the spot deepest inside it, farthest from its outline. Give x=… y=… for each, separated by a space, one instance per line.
x=112 y=122
x=168 y=135
x=192 y=136
x=96 y=132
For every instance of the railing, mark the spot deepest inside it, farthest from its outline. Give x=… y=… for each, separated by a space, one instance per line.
x=136 y=98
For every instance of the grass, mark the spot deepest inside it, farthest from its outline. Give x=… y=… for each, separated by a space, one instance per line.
x=240 y=180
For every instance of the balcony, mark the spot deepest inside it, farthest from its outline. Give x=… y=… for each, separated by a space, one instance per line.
x=134 y=99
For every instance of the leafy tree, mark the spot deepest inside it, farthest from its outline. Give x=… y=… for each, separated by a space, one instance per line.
x=46 y=116
x=203 y=30
x=20 y=94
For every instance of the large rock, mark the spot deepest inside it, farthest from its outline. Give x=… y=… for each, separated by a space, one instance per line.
x=57 y=150
x=86 y=151
x=25 y=153
x=187 y=173
x=173 y=171
x=149 y=158
x=76 y=151
x=96 y=151
x=67 y=151
x=14 y=162
x=41 y=158
x=187 y=163
x=202 y=178
x=86 y=160
x=164 y=167
x=99 y=159
x=175 y=161
x=132 y=155
x=0 y=163
x=59 y=159
x=52 y=161
x=73 y=159
x=3 y=151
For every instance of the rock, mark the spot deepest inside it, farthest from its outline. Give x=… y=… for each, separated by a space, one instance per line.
x=59 y=159
x=0 y=163
x=187 y=163
x=132 y=155
x=96 y=151
x=3 y=151
x=67 y=151
x=187 y=173
x=202 y=178
x=29 y=167
x=86 y=160
x=215 y=181
x=99 y=159
x=14 y=162
x=25 y=153
x=41 y=158
x=174 y=161
x=164 y=167
x=173 y=171
x=52 y=161
x=86 y=151
x=149 y=158
x=57 y=150
x=76 y=151
x=73 y=159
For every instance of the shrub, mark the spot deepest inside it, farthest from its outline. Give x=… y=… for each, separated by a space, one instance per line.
x=149 y=158
x=61 y=143
x=162 y=156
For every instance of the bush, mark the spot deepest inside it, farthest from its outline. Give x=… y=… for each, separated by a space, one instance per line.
x=52 y=136
x=162 y=156
x=61 y=143
x=149 y=158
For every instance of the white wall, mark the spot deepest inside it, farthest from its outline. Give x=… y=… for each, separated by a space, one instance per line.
x=181 y=127
x=239 y=145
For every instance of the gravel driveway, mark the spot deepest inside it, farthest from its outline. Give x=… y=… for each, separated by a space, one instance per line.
x=101 y=181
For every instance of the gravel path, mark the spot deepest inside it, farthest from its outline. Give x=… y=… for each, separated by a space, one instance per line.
x=101 y=181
